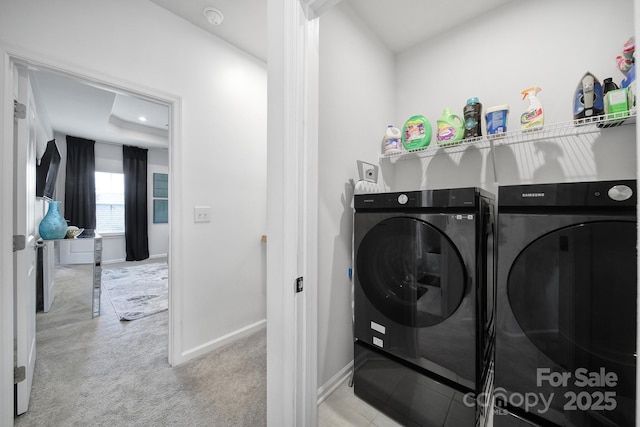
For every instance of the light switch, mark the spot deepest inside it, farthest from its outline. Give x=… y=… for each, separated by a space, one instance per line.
x=202 y=214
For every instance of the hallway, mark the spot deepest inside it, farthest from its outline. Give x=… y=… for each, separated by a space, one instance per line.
x=106 y=372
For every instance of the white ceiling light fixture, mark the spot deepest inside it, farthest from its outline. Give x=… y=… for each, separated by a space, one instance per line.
x=213 y=15
x=142 y=118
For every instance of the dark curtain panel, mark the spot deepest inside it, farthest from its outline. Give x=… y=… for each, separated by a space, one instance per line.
x=135 y=203
x=80 y=183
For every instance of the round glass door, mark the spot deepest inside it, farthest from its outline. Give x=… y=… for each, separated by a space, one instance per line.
x=573 y=293
x=411 y=272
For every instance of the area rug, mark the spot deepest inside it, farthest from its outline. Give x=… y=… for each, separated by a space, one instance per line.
x=137 y=291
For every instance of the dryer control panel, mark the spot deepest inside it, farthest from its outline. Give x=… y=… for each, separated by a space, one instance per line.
x=449 y=198
x=569 y=195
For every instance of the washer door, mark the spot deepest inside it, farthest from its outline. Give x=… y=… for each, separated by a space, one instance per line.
x=573 y=294
x=411 y=272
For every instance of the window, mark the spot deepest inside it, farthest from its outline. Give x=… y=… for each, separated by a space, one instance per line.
x=109 y=202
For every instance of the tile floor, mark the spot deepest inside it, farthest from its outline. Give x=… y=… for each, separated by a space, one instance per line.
x=343 y=408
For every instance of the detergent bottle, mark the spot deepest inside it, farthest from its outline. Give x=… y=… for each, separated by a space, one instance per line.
x=392 y=140
x=533 y=117
x=450 y=128
x=416 y=133
x=472 y=118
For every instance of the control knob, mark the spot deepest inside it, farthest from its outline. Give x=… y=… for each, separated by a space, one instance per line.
x=620 y=192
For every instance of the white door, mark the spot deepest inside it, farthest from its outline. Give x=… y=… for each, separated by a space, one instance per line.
x=24 y=261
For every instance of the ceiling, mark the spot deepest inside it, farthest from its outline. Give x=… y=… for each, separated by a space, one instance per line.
x=81 y=109
x=244 y=24
x=400 y=24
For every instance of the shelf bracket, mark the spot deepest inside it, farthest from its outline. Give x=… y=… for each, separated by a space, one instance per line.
x=492 y=149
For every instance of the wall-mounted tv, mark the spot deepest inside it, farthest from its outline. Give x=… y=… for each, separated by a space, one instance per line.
x=47 y=171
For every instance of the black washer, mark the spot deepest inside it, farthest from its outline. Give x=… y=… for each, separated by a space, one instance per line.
x=423 y=299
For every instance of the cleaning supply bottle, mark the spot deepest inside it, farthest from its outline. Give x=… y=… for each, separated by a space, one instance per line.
x=472 y=113
x=533 y=117
x=608 y=85
x=450 y=128
x=392 y=141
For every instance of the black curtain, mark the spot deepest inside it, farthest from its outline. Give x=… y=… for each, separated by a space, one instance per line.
x=80 y=183
x=135 y=203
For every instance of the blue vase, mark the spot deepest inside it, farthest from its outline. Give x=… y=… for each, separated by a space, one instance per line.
x=53 y=225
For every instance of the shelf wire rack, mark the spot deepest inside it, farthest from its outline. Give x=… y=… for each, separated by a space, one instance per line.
x=572 y=128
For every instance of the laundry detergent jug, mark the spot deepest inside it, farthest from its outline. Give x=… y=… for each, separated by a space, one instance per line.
x=450 y=128
x=392 y=140
x=416 y=133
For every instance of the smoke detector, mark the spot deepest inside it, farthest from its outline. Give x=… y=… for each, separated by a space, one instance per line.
x=214 y=16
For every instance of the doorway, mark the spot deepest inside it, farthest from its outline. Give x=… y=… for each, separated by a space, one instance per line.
x=124 y=96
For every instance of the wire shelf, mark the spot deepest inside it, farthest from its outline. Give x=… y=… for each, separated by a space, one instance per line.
x=573 y=128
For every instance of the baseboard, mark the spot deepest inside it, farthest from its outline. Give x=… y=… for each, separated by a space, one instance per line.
x=113 y=261
x=120 y=260
x=334 y=382
x=219 y=342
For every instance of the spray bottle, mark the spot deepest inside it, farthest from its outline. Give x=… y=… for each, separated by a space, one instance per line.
x=533 y=116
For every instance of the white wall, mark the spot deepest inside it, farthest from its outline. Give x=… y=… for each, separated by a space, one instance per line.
x=220 y=142
x=356 y=104
x=495 y=56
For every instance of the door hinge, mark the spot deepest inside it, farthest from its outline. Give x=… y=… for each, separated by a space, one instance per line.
x=19 y=374
x=19 y=243
x=299 y=284
x=19 y=110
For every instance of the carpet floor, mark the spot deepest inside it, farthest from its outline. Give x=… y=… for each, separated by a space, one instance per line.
x=137 y=291
x=104 y=372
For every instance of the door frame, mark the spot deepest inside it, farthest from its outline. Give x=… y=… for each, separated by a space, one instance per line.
x=6 y=245
x=9 y=56
x=292 y=213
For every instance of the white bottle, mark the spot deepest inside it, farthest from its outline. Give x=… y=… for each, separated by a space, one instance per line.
x=392 y=141
x=533 y=116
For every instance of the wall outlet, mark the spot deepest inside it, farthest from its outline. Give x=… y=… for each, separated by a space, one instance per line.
x=202 y=214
